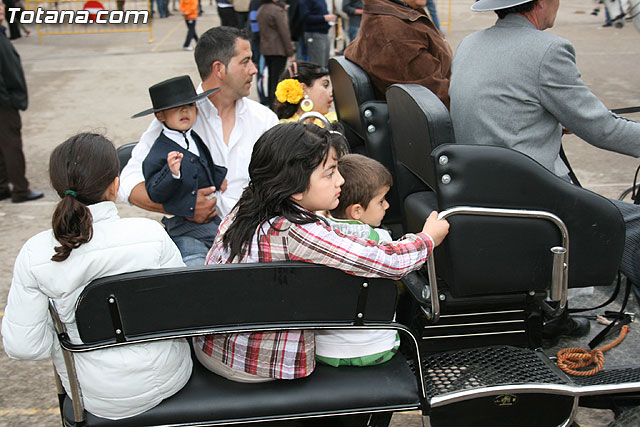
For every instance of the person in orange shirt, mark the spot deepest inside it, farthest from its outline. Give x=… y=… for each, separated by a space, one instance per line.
x=189 y=9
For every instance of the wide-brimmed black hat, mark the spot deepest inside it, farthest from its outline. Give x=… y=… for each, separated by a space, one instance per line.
x=173 y=93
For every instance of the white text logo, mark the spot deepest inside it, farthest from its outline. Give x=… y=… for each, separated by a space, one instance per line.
x=85 y=16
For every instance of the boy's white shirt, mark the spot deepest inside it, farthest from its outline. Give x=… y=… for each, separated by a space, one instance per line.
x=178 y=138
x=342 y=344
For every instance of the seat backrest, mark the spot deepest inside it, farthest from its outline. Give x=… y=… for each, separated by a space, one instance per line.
x=220 y=298
x=124 y=153
x=351 y=88
x=366 y=123
x=499 y=254
x=419 y=122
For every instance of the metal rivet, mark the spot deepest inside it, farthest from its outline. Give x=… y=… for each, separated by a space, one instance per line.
x=365 y=284
x=368 y=114
x=371 y=128
x=426 y=292
x=446 y=179
x=443 y=160
x=118 y=331
x=442 y=297
x=112 y=300
x=360 y=315
x=532 y=293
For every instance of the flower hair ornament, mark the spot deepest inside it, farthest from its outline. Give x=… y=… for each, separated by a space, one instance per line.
x=289 y=90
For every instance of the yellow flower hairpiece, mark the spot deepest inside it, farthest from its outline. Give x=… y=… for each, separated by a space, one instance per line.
x=289 y=90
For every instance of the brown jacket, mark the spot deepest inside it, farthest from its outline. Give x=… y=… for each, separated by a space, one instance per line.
x=275 y=38
x=397 y=44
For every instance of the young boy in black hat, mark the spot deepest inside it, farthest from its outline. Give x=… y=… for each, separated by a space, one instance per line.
x=179 y=164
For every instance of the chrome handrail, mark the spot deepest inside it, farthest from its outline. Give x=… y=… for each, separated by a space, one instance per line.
x=560 y=273
x=76 y=392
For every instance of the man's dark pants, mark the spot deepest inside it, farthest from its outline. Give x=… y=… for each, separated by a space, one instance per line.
x=12 y=163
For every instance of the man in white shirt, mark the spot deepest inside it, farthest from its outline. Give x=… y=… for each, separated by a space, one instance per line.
x=228 y=122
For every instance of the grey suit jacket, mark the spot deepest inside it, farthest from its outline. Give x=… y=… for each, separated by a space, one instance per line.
x=516 y=86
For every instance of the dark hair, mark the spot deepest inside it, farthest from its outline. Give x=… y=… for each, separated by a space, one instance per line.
x=81 y=169
x=281 y=164
x=216 y=44
x=363 y=178
x=304 y=72
x=521 y=8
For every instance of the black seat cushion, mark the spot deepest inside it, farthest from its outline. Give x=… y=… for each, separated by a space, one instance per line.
x=208 y=397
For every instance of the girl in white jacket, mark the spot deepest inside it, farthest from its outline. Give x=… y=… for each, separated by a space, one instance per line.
x=88 y=241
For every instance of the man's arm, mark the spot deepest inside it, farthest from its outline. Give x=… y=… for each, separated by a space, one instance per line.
x=565 y=96
x=12 y=77
x=132 y=174
x=349 y=9
x=140 y=198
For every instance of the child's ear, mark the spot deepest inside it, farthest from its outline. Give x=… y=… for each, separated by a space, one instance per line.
x=160 y=116
x=354 y=211
x=297 y=197
x=111 y=193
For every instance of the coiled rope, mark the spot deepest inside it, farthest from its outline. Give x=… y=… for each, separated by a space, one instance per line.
x=573 y=358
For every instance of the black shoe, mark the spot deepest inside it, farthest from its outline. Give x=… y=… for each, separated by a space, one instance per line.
x=5 y=194
x=607 y=24
x=564 y=326
x=575 y=327
x=31 y=195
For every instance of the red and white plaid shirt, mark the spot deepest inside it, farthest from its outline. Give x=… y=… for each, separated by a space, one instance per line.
x=290 y=354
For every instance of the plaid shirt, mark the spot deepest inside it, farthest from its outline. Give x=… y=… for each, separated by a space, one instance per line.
x=290 y=354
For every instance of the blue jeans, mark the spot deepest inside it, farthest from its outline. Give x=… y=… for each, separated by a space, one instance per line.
x=161 y=9
x=193 y=251
x=433 y=13
x=353 y=32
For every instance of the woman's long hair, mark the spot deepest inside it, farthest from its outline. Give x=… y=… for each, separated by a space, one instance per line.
x=81 y=169
x=304 y=72
x=282 y=162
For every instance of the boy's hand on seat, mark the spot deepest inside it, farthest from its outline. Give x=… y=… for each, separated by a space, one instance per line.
x=223 y=186
x=205 y=206
x=174 y=160
x=436 y=228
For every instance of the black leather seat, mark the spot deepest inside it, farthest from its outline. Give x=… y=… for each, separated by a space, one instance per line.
x=487 y=263
x=419 y=122
x=242 y=297
x=124 y=153
x=496 y=255
x=208 y=397
x=366 y=123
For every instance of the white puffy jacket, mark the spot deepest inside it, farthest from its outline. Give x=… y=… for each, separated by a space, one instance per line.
x=117 y=382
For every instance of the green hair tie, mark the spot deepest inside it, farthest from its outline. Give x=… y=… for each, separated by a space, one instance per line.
x=71 y=192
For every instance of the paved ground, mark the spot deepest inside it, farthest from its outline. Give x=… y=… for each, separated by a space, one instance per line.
x=96 y=82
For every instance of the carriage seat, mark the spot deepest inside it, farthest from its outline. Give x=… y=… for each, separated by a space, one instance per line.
x=184 y=302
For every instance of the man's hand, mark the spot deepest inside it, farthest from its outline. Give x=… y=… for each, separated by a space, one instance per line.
x=223 y=186
x=205 y=206
x=174 y=160
x=330 y=17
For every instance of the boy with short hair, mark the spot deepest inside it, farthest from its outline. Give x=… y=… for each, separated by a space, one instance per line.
x=178 y=164
x=362 y=198
x=360 y=211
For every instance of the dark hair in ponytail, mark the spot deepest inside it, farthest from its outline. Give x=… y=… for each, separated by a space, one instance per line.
x=81 y=169
x=281 y=164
